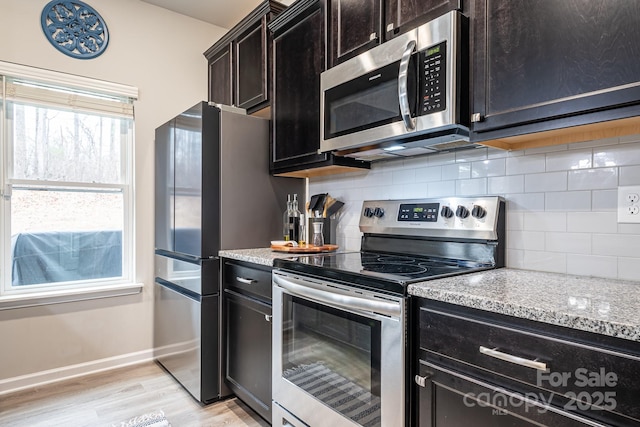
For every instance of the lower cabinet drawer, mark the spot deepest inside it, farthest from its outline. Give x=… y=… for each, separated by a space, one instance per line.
x=450 y=399
x=586 y=377
x=248 y=280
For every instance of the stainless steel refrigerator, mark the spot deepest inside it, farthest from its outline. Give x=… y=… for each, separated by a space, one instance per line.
x=212 y=191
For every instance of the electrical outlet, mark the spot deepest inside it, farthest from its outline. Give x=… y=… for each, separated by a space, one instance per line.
x=629 y=204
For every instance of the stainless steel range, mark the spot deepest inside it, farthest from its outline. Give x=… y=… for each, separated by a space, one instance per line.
x=340 y=319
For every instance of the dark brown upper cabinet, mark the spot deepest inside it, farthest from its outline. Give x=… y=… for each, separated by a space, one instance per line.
x=553 y=72
x=358 y=25
x=298 y=60
x=220 y=82
x=239 y=71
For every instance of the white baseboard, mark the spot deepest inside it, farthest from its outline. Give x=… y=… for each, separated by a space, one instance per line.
x=22 y=382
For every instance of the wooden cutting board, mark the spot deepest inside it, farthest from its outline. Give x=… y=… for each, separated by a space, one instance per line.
x=304 y=249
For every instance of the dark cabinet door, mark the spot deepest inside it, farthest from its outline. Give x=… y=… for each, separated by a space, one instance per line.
x=220 y=83
x=356 y=26
x=248 y=355
x=536 y=61
x=298 y=61
x=251 y=66
x=404 y=15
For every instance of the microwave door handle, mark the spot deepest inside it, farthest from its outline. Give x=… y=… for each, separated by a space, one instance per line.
x=403 y=96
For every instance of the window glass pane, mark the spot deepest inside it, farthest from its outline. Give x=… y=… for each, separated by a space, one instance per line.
x=65 y=235
x=55 y=144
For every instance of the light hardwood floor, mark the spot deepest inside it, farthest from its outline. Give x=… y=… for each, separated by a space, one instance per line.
x=108 y=398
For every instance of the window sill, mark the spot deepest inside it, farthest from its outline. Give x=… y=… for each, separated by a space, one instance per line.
x=8 y=302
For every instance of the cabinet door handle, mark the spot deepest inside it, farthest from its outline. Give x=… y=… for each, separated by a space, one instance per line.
x=373 y=36
x=403 y=95
x=493 y=352
x=246 y=281
x=268 y=317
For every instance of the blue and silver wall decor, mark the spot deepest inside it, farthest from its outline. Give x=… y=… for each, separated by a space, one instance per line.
x=74 y=28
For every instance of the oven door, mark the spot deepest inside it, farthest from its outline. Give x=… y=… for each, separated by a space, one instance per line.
x=338 y=354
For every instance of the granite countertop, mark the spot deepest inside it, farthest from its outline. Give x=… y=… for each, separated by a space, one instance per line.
x=604 y=306
x=262 y=256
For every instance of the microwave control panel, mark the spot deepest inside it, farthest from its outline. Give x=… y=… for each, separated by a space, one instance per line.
x=433 y=74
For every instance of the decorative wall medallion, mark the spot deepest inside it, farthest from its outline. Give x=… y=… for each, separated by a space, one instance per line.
x=74 y=28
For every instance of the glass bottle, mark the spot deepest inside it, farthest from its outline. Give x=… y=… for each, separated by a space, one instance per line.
x=294 y=220
x=301 y=234
x=285 y=218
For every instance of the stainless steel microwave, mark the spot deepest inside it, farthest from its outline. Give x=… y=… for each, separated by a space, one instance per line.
x=411 y=91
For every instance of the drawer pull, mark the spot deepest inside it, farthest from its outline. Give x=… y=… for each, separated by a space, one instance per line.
x=421 y=380
x=513 y=359
x=268 y=317
x=246 y=281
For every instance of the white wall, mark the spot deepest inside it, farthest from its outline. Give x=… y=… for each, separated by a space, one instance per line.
x=561 y=201
x=160 y=52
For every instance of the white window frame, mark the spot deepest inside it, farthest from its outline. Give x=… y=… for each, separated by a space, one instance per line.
x=31 y=295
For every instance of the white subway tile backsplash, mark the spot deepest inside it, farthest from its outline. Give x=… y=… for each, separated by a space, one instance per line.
x=629 y=228
x=525 y=202
x=593 y=179
x=515 y=220
x=456 y=171
x=619 y=155
x=549 y=181
x=630 y=175
x=629 y=139
x=405 y=176
x=545 y=221
x=629 y=269
x=545 y=261
x=484 y=168
x=569 y=160
x=428 y=174
x=594 y=143
x=515 y=258
x=441 y=189
x=592 y=222
x=616 y=244
x=506 y=184
x=527 y=240
x=441 y=159
x=519 y=165
x=471 y=187
x=592 y=265
x=576 y=243
x=604 y=200
x=546 y=149
x=472 y=155
x=496 y=153
x=568 y=201
x=561 y=201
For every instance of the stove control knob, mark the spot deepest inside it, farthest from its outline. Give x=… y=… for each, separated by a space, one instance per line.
x=446 y=212
x=462 y=212
x=478 y=212
x=368 y=212
x=378 y=212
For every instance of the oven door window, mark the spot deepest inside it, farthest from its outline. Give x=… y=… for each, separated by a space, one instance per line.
x=334 y=356
x=365 y=102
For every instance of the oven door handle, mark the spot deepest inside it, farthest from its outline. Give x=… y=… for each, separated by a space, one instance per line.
x=309 y=291
x=403 y=91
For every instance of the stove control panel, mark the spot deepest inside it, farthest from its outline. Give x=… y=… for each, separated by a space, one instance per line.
x=466 y=217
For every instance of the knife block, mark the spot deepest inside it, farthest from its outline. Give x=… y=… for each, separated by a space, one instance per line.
x=328 y=229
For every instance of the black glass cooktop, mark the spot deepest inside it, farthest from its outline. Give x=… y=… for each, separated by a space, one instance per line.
x=390 y=272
